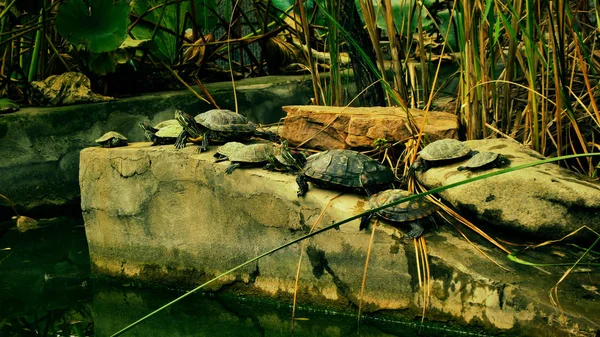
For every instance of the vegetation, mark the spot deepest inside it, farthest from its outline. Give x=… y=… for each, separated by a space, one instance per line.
x=531 y=77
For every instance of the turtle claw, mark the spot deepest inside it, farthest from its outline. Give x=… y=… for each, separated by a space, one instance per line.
x=416 y=230
x=364 y=221
x=231 y=168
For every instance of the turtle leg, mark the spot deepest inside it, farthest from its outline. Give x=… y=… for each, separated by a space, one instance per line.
x=204 y=145
x=364 y=221
x=416 y=230
x=231 y=168
x=302 y=185
x=181 y=139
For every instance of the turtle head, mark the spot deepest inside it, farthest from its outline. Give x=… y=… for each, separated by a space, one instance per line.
x=188 y=123
x=503 y=161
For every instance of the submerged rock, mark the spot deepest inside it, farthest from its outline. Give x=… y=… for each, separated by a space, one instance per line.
x=545 y=200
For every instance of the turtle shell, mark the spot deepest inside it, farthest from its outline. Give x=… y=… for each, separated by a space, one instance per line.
x=253 y=153
x=110 y=135
x=225 y=121
x=346 y=168
x=407 y=211
x=482 y=160
x=227 y=149
x=168 y=122
x=445 y=149
x=169 y=130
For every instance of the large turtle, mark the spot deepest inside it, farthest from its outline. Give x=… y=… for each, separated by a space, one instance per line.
x=112 y=139
x=485 y=160
x=217 y=125
x=165 y=132
x=410 y=212
x=345 y=170
x=441 y=152
x=245 y=154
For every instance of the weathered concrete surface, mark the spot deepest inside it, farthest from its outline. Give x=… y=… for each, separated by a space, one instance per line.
x=326 y=127
x=39 y=147
x=545 y=201
x=160 y=215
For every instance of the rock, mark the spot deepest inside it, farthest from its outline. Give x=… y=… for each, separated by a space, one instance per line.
x=545 y=201
x=64 y=89
x=172 y=217
x=325 y=128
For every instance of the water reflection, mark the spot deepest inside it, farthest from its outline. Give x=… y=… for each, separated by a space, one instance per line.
x=46 y=291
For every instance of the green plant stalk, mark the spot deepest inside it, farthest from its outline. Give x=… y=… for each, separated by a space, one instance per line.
x=36 y=52
x=531 y=65
x=355 y=217
x=7 y=8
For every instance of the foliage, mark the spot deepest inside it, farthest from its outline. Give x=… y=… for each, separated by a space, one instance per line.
x=100 y=25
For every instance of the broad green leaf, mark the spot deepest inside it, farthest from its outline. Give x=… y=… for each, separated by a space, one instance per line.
x=173 y=20
x=100 y=25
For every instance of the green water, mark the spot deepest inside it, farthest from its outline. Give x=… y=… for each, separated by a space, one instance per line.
x=46 y=290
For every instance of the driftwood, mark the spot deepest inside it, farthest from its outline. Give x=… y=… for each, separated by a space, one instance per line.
x=322 y=127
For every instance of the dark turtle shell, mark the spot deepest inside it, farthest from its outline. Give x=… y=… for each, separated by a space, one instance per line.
x=445 y=149
x=112 y=139
x=407 y=211
x=346 y=169
x=484 y=160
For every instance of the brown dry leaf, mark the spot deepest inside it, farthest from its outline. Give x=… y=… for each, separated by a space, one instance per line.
x=195 y=53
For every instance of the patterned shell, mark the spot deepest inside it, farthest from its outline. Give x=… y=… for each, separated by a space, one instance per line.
x=481 y=159
x=347 y=168
x=225 y=120
x=228 y=148
x=110 y=135
x=445 y=149
x=407 y=211
x=253 y=153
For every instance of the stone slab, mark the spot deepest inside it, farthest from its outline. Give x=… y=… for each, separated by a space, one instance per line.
x=326 y=127
x=174 y=218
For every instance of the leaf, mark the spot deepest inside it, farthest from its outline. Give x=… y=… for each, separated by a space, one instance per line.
x=100 y=25
x=195 y=54
x=172 y=20
x=25 y=223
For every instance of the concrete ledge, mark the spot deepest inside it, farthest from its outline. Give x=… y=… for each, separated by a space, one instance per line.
x=173 y=217
x=39 y=147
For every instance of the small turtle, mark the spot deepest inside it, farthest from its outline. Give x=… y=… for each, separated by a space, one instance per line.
x=346 y=170
x=245 y=155
x=485 y=160
x=112 y=139
x=217 y=125
x=165 y=132
x=410 y=212
x=286 y=160
x=441 y=152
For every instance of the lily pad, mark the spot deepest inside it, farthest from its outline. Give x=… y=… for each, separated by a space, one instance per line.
x=100 y=25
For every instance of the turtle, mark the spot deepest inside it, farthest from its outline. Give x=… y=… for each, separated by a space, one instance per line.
x=245 y=154
x=217 y=125
x=112 y=139
x=165 y=132
x=410 y=212
x=441 y=152
x=485 y=160
x=286 y=160
x=345 y=170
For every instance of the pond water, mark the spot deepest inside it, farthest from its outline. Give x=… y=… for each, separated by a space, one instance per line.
x=46 y=290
